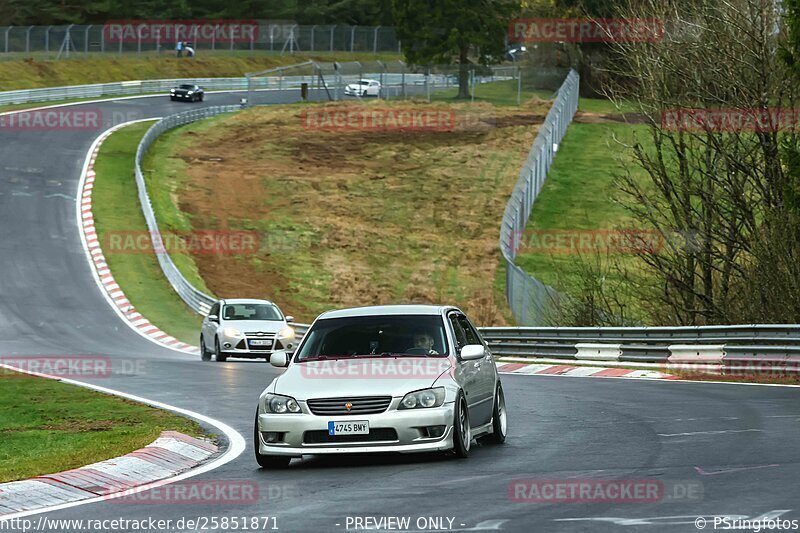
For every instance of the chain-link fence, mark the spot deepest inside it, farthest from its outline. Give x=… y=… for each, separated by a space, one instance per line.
x=66 y=41
x=392 y=80
x=528 y=298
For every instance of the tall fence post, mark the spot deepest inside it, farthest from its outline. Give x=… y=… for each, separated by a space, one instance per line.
x=375 y=40
x=352 y=38
x=313 y=29
x=7 y=31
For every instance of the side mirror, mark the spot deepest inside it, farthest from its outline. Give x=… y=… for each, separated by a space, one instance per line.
x=289 y=318
x=471 y=352
x=280 y=358
x=213 y=318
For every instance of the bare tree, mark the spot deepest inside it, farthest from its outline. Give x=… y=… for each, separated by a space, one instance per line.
x=715 y=157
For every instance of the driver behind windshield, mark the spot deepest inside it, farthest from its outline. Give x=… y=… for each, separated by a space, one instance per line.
x=423 y=343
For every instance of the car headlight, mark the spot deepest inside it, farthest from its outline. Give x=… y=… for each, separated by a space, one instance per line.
x=231 y=332
x=423 y=399
x=286 y=333
x=190 y=92
x=275 y=403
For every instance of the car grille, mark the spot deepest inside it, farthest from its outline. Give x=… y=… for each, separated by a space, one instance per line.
x=259 y=334
x=367 y=405
x=375 y=435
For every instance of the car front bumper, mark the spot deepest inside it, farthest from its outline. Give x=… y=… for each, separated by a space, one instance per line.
x=408 y=424
x=240 y=347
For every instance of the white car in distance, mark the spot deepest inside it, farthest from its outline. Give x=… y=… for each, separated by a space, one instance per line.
x=363 y=88
x=246 y=328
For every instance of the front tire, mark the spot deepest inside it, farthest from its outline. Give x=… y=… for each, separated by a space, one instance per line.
x=267 y=461
x=218 y=355
x=462 y=432
x=205 y=355
x=499 y=418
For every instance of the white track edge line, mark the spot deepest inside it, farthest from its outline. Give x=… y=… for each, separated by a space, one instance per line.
x=92 y=267
x=236 y=445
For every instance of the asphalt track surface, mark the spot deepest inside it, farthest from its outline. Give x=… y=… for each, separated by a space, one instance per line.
x=734 y=447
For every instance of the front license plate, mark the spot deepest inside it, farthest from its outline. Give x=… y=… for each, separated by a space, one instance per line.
x=260 y=343
x=356 y=427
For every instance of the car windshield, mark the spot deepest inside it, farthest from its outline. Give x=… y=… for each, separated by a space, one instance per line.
x=375 y=336
x=189 y=87
x=364 y=82
x=251 y=312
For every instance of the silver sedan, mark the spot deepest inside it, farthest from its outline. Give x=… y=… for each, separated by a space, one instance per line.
x=405 y=378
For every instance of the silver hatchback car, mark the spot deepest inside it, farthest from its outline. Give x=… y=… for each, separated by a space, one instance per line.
x=403 y=378
x=244 y=328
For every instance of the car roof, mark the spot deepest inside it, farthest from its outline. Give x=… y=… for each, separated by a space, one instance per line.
x=246 y=301
x=378 y=310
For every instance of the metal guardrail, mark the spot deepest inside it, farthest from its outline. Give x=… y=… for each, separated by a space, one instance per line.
x=647 y=344
x=393 y=84
x=194 y=298
x=527 y=297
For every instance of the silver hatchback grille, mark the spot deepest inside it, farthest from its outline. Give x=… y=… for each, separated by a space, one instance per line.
x=365 y=405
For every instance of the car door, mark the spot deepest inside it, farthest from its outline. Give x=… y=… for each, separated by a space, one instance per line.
x=485 y=374
x=466 y=372
x=374 y=88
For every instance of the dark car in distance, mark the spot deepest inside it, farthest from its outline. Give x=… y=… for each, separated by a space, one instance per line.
x=187 y=93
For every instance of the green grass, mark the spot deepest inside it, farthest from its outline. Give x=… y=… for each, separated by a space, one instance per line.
x=47 y=426
x=117 y=212
x=31 y=72
x=579 y=196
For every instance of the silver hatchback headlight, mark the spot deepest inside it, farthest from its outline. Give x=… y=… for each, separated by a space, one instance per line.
x=423 y=399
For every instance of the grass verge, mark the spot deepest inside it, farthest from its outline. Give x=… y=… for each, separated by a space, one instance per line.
x=578 y=202
x=118 y=219
x=47 y=426
x=349 y=217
